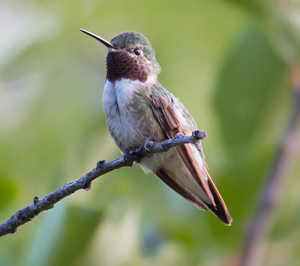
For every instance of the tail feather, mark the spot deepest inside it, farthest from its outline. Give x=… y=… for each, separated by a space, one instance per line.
x=220 y=210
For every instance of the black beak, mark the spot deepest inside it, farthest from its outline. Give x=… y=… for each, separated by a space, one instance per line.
x=105 y=42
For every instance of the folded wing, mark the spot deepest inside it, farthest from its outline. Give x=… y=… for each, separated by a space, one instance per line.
x=162 y=104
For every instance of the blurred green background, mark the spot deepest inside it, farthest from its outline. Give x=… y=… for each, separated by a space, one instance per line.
x=227 y=61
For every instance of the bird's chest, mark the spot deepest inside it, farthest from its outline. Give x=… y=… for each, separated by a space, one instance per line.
x=129 y=118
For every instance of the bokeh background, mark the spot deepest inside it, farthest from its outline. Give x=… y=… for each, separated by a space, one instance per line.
x=229 y=62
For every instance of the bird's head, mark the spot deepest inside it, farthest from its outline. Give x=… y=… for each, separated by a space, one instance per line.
x=130 y=55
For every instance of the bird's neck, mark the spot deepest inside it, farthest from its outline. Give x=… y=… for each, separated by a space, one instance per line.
x=151 y=80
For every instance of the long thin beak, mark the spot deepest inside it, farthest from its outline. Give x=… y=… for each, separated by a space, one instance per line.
x=105 y=42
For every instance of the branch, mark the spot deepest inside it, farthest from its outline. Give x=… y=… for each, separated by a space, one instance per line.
x=274 y=178
x=149 y=148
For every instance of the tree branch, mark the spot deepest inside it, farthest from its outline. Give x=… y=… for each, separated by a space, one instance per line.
x=257 y=229
x=149 y=148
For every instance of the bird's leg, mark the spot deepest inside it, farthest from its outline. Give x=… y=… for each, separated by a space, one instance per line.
x=132 y=154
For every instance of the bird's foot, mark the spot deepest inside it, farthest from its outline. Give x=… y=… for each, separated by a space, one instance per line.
x=136 y=154
x=132 y=154
x=147 y=148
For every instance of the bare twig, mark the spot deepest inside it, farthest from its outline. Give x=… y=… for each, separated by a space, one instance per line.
x=258 y=227
x=26 y=214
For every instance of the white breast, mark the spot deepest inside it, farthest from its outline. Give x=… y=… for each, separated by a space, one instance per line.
x=121 y=114
x=116 y=95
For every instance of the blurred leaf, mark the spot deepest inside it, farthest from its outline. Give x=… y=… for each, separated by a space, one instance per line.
x=248 y=93
x=256 y=7
x=77 y=232
x=4 y=260
x=46 y=236
x=247 y=80
x=63 y=236
x=8 y=190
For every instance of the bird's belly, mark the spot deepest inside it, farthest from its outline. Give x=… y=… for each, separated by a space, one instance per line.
x=130 y=131
x=131 y=125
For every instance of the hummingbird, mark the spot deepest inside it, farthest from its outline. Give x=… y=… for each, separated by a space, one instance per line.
x=138 y=108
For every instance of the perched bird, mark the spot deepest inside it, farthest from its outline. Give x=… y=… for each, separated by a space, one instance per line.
x=139 y=108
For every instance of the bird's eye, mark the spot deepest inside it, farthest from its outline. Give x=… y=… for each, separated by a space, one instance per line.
x=137 y=51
